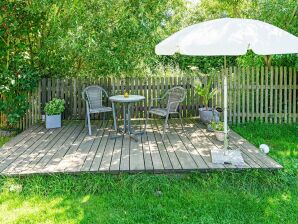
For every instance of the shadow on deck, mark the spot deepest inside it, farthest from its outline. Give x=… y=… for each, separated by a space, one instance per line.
x=70 y=149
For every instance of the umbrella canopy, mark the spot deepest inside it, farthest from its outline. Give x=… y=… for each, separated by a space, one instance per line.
x=229 y=36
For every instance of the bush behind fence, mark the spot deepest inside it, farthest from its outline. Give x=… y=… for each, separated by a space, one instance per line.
x=265 y=94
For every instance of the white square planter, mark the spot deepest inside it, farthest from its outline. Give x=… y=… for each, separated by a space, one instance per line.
x=53 y=121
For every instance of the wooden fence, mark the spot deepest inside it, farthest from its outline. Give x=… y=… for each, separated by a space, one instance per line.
x=265 y=94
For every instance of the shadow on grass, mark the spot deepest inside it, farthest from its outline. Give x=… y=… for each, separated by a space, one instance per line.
x=245 y=197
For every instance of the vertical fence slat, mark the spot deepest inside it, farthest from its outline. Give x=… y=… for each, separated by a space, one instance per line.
x=262 y=95
x=230 y=90
x=243 y=95
x=280 y=93
x=252 y=84
x=290 y=120
x=271 y=93
x=238 y=95
x=276 y=95
x=266 y=94
x=285 y=85
x=235 y=77
x=258 y=92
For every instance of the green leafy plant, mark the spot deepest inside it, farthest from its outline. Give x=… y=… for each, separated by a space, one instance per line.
x=14 y=88
x=54 y=107
x=217 y=126
x=206 y=90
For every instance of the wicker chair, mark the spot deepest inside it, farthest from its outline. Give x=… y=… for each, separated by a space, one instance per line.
x=93 y=96
x=172 y=98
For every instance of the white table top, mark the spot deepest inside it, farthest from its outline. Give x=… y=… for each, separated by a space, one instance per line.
x=129 y=99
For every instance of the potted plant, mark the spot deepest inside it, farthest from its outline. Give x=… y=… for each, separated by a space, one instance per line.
x=53 y=110
x=207 y=92
x=218 y=128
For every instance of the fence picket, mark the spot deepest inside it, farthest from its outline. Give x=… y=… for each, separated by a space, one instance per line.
x=268 y=94
x=276 y=96
x=280 y=93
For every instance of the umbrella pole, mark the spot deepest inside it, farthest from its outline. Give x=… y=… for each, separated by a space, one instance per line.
x=225 y=105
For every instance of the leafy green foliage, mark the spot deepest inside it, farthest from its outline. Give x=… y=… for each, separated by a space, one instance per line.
x=3 y=140
x=14 y=88
x=54 y=107
x=18 y=32
x=205 y=89
x=117 y=38
x=218 y=126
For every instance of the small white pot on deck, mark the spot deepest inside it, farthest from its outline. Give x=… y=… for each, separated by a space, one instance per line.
x=220 y=135
x=53 y=121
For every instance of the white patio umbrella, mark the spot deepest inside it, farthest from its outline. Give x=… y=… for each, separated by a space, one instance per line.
x=229 y=37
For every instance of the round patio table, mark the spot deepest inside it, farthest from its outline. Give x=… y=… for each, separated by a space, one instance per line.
x=126 y=101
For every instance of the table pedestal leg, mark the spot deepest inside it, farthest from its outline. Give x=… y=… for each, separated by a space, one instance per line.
x=126 y=123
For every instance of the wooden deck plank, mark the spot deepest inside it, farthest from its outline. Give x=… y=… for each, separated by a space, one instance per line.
x=8 y=148
x=15 y=140
x=136 y=161
x=108 y=153
x=124 y=162
x=186 y=161
x=70 y=149
x=115 y=163
x=202 y=144
x=191 y=149
x=38 y=150
x=43 y=149
x=21 y=147
x=48 y=155
x=90 y=157
x=23 y=159
x=100 y=150
x=161 y=147
x=155 y=155
x=65 y=153
x=270 y=163
x=146 y=152
x=218 y=144
x=249 y=158
x=170 y=150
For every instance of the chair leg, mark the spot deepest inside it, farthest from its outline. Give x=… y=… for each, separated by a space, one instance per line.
x=181 y=121
x=89 y=123
x=86 y=119
x=165 y=126
x=114 y=116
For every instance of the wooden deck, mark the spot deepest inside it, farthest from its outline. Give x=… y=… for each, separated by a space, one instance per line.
x=70 y=149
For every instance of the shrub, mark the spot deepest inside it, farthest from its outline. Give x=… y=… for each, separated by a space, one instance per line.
x=14 y=88
x=54 y=107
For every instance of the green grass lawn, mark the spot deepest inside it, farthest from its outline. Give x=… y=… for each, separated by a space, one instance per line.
x=218 y=197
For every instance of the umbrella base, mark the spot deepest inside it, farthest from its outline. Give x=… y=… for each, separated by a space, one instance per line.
x=220 y=156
